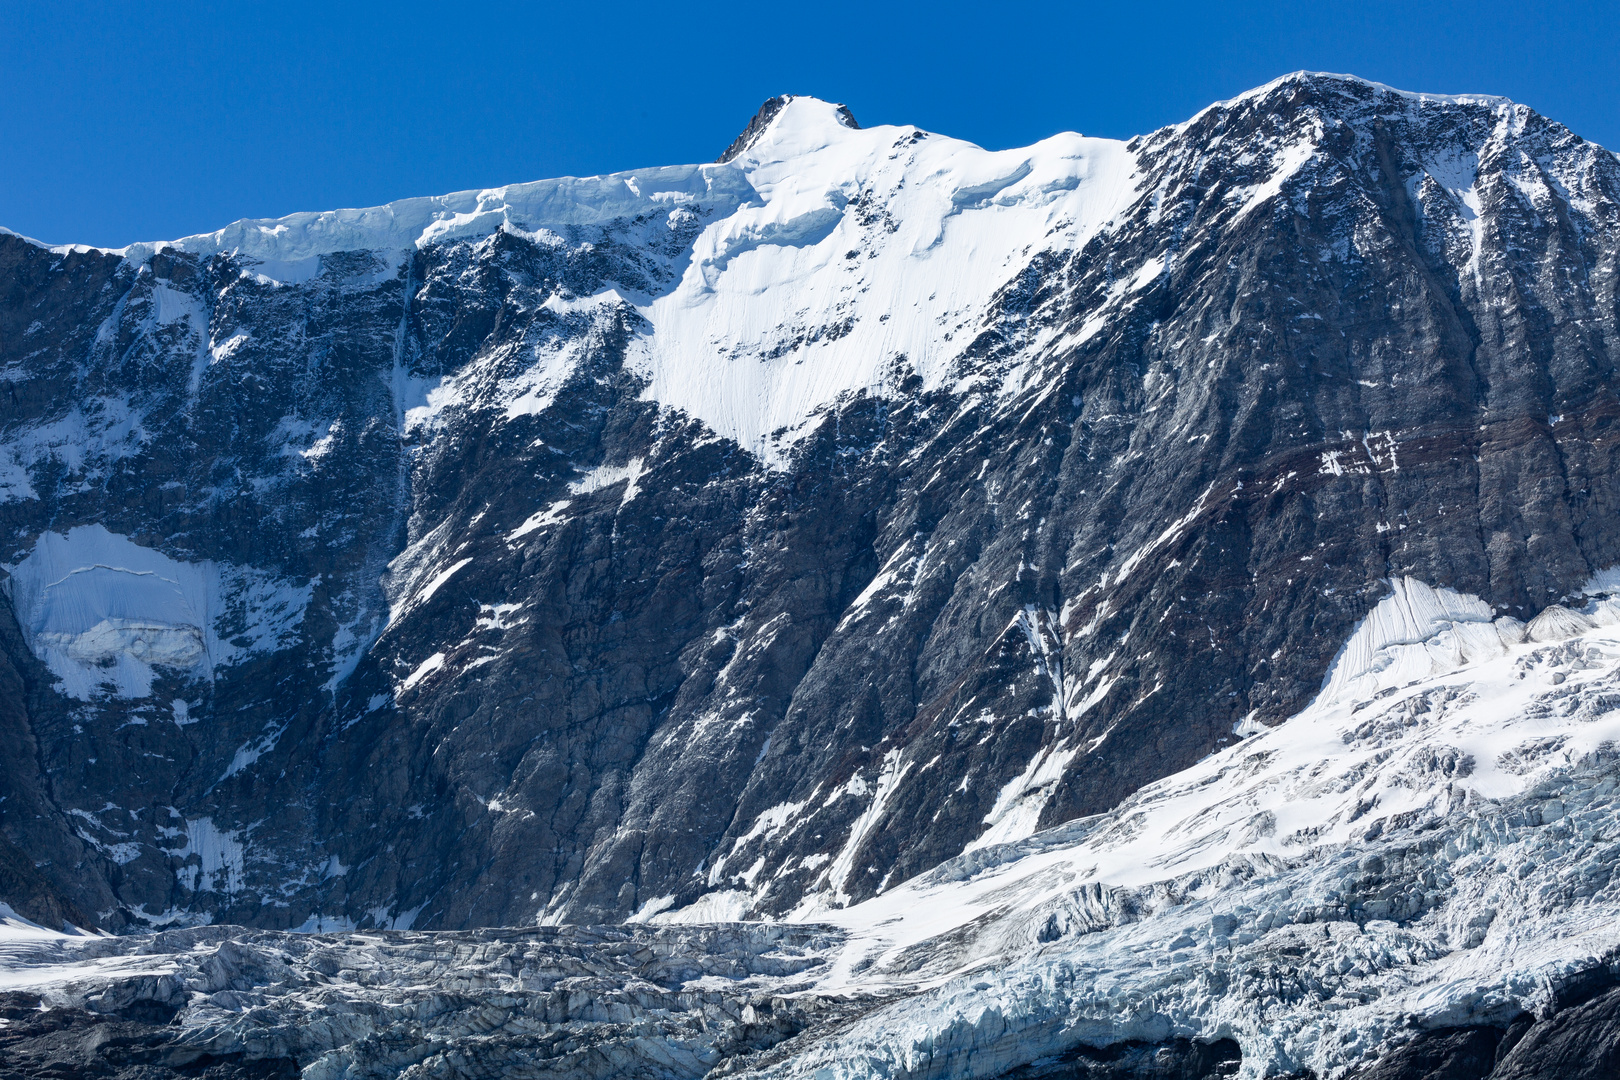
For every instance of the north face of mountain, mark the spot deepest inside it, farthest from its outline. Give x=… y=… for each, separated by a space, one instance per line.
x=747 y=539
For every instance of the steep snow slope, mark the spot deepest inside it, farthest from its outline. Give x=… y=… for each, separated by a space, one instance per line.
x=870 y=258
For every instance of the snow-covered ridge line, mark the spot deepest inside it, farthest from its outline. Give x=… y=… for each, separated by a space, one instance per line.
x=406 y=223
x=1308 y=76
x=821 y=261
x=549 y=203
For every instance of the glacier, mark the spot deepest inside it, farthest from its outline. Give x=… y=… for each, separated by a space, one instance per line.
x=1435 y=852
x=103 y=612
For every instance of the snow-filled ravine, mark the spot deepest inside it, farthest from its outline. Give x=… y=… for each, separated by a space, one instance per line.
x=1433 y=841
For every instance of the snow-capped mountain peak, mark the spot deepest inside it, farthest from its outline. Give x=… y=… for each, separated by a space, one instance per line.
x=894 y=239
x=1058 y=558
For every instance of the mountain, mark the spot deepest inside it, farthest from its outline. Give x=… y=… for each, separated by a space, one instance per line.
x=1143 y=595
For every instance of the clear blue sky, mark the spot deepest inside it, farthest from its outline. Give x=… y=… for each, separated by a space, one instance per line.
x=140 y=120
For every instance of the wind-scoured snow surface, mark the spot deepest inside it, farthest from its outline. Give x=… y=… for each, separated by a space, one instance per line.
x=1436 y=846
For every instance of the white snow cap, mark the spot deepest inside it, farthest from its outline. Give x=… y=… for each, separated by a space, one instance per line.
x=867 y=255
x=831 y=259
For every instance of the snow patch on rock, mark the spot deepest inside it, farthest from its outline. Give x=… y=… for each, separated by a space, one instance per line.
x=219 y=854
x=105 y=613
x=1415 y=632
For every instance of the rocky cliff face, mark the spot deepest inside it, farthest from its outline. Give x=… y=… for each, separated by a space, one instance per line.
x=1413 y=879
x=746 y=539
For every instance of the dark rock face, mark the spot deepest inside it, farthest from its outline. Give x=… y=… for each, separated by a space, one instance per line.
x=1580 y=1041
x=1447 y=1054
x=762 y=119
x=39 y=853
x=1339 y=334
x=1178 y=1060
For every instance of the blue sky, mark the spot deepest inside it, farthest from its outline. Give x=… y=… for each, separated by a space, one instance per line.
x=140 y=120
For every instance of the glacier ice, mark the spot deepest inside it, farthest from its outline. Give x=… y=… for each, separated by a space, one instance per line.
x=1434 y=852
x=104 y=613
x=1416 y=631
x=97 y=609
